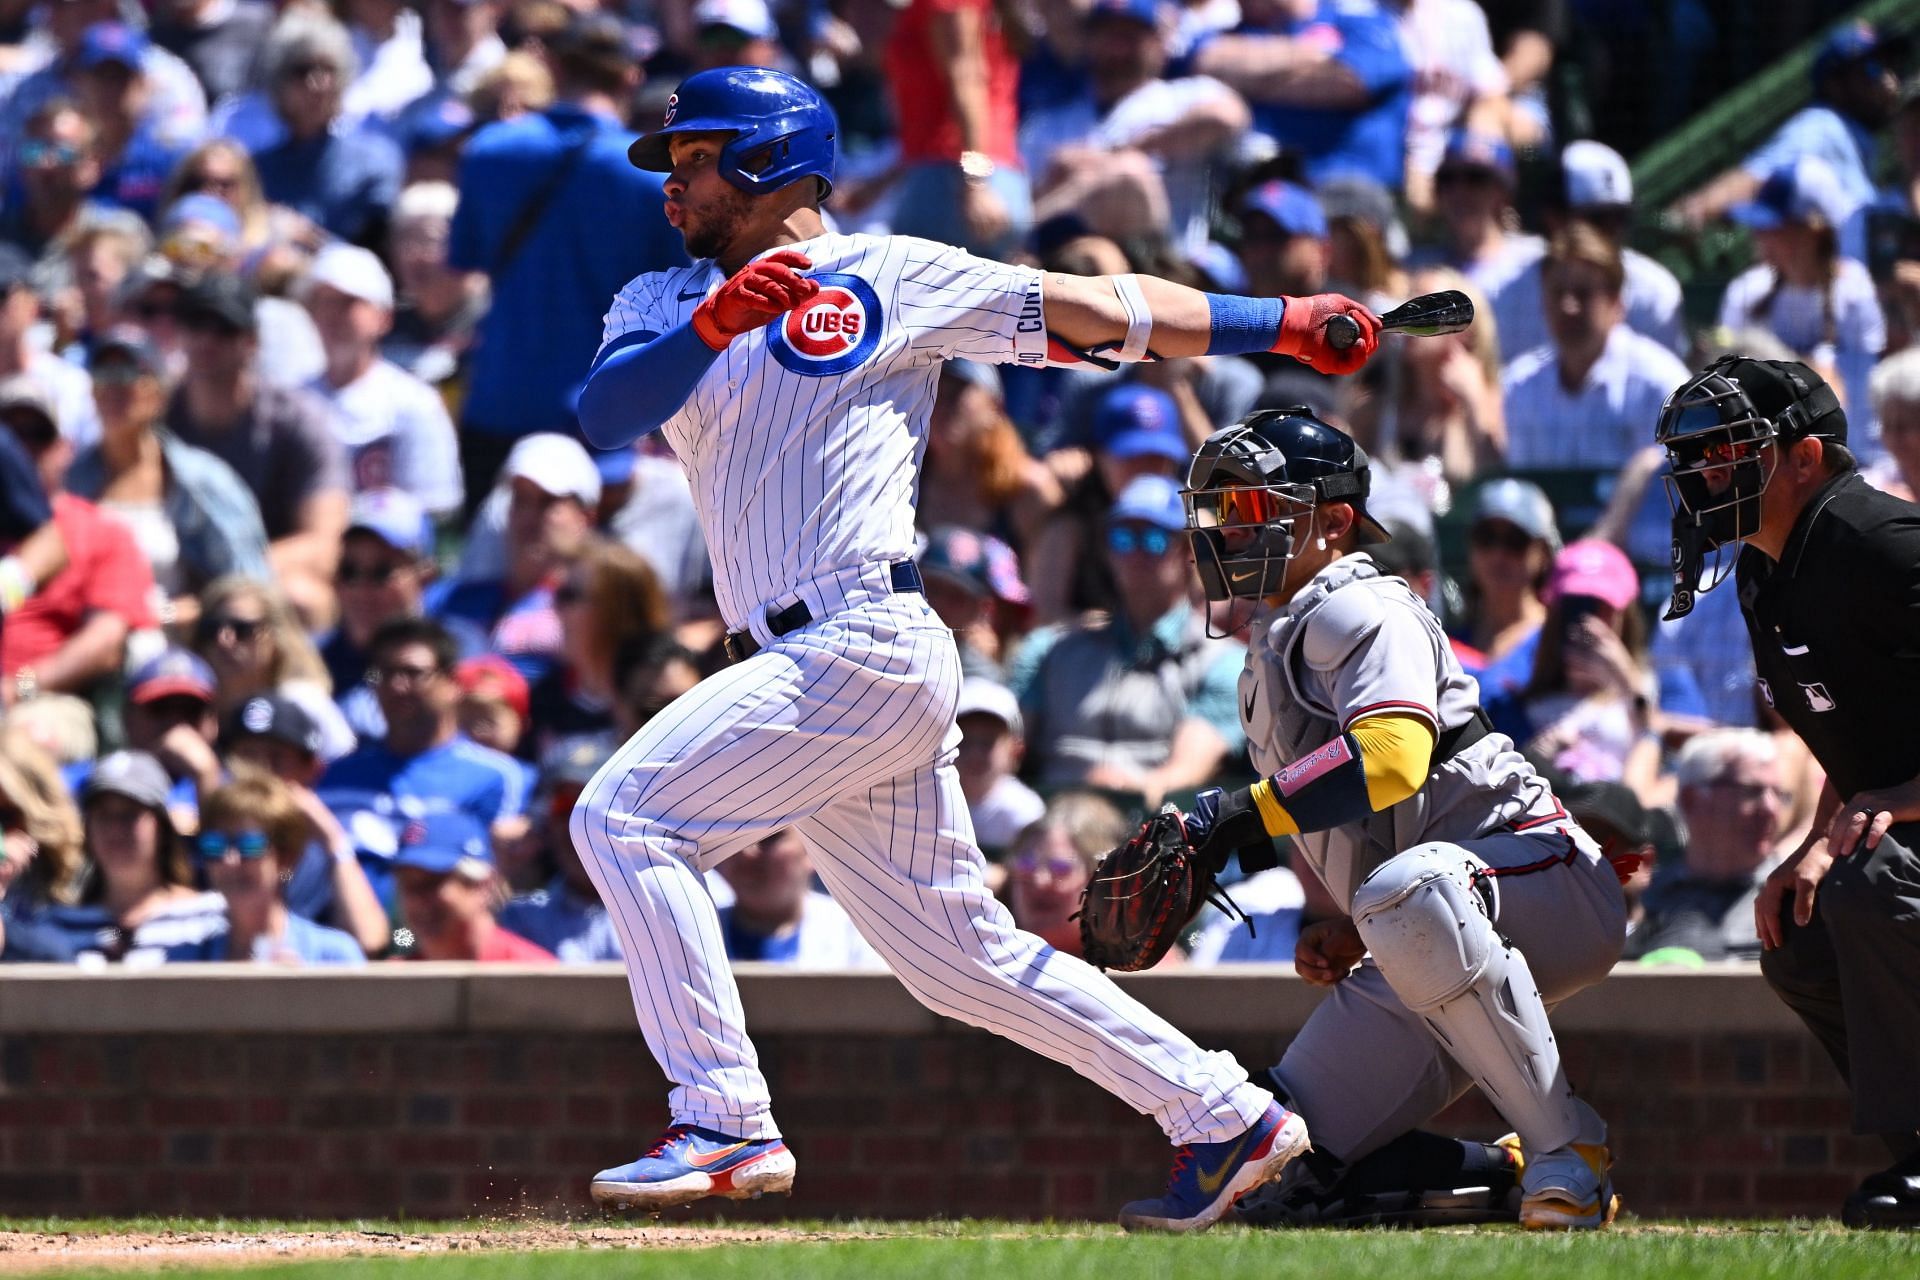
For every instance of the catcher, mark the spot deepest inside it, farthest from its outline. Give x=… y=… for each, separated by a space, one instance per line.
x=1474 y=902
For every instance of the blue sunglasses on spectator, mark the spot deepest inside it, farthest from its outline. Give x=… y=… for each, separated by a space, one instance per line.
x=1123 y=541
x=250 y=845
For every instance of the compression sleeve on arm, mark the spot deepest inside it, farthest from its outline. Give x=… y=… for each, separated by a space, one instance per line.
x=1376 y=764
x=638 y=381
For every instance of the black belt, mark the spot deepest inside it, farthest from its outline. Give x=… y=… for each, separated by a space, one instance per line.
x=1461 y=736
x=740 y=645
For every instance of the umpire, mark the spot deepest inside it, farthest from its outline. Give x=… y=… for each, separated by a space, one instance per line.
x=1829 y=580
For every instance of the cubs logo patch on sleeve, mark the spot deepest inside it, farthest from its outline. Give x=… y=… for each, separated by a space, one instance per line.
x=835 y=330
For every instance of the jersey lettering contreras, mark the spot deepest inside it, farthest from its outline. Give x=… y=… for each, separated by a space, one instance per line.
x=803 y=440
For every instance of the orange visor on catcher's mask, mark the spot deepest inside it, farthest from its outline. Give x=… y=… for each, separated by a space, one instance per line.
x=1241 y=507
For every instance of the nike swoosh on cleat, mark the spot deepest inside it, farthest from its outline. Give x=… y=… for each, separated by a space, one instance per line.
x=711 y=1158
x=1210 y=1184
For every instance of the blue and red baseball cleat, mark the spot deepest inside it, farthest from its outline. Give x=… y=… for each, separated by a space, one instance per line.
x=689 y=1163
x=1208 y=1177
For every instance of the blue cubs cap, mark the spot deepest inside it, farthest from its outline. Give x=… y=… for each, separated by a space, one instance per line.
x=1467 y=149
x=111 y=42
x=435 y=124
x=1802 y=190
x=958 y=554
x=1144 y=12
x=174 y=672
x=201 y=207
x=445 y=843
x=1848 y=43
x=1133 y=421
x=395 y=517
x=1151 y=500
x=1293 y=208
x=615 y=465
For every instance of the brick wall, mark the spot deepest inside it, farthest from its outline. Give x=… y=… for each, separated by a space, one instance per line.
x=494 y=1104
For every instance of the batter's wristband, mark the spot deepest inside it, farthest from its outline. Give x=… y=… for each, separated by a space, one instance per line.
x=1240 y=326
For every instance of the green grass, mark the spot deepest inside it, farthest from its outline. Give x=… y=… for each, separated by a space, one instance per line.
x=995 y=1251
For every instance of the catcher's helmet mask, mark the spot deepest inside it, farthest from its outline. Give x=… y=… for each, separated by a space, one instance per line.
x=1245 y=494
x=778 y=129
x=1721 y=463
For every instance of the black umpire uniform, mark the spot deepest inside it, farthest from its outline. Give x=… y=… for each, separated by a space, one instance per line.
x=1835 y=625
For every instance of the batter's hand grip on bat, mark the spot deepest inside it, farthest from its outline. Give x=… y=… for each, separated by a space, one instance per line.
x=1342 y=332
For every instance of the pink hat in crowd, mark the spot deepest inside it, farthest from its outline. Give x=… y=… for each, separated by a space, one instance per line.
x=1594 y=568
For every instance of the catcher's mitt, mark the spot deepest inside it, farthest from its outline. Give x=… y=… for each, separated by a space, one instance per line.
x=1142 y=895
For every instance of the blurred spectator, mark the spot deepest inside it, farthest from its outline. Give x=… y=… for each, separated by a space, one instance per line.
x=1473 y=195
x=432 y=134
x=956 y=570
x=73 y=633
x=101 y=258
x=1526 y=33
x=1596 y=188
x=43 y=865
x=341 y=174
x=953 y=74
x=253 y=643
x=1136 y=432
x=1133 y=155
x=1367 y=243
x=1142 y=701
x=1051 y=860
x=565 y=915
x=392 y=61
x=778 y=916
x=178 y=106
x=276 y=439
x=463 y=44
x=1284 y=241
x=437 y=309
x=736 y=33
x=1586 y=400
x=650 y=509
x=1622 y=827
x=1328 y=81
x=189 y=512
x=1439 y=412
x=563 y=174
x=1806 y=292
x=1894 y=389
x=607 y=600
x=275 y=242
x=1855 y=93
x=495 y=703
x=1457 y=82
x=1511 y=544
x=386 y=564
x=57 y=169
x=1704 y=661
x=219 y=39
x=520 y=85
x=393 y=426
x=140 y=906
x=649 y=677
x=992 y=742
x=445 y=873
x=977 y=471
x=110 y=83
x=68 y=388
x=325 y=883
x=252 y=836
x=553 y=492
x=423 y=754
x=170 y=716
x=1732 y=799
x=60 y=725
x=1587 y=708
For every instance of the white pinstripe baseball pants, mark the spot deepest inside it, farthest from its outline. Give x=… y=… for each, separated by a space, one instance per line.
x=845 y=730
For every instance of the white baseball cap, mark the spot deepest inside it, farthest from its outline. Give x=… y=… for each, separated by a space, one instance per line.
x=1597 y=175
x=981 y=696
x=355 y=272
x=750 y=17
x=558 y=464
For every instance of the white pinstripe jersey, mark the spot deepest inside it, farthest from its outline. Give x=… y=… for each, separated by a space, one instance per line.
x=803 y=440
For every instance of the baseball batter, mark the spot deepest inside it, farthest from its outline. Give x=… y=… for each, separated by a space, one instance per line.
x=1475 y=900
x=793 y=371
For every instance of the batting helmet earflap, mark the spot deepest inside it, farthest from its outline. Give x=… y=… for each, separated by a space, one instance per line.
x=783 y=130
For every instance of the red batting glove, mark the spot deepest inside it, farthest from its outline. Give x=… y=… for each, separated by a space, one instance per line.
x=1303 y=333
x=752 y=296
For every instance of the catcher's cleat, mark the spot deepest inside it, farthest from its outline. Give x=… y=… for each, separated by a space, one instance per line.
x=1208 y=1177
x=689 y=1163
x=1417 y=1180
x=1568 y=1189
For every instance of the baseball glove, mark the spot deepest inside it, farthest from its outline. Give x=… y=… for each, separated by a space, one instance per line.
x=1142 y=895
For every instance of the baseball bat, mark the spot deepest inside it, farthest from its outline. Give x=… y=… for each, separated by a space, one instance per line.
x=1427 y=316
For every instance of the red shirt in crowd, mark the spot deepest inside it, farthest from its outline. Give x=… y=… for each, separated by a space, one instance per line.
x=506 y=947
x=105 y=570
x=922 y=103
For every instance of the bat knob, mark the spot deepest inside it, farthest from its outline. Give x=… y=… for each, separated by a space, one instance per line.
x=1342 y=332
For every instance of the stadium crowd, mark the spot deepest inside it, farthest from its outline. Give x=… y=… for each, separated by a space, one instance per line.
x=319 y=614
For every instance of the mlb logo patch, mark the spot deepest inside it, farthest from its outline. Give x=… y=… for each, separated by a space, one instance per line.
x=835 y=330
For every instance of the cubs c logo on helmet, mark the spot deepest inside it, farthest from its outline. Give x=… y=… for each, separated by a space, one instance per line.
x=673 y=105
x=835 y=330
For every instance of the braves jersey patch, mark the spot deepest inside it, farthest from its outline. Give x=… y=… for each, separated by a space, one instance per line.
x=836 y=330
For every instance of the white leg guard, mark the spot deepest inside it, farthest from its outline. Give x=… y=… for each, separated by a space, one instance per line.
x=1432 y=935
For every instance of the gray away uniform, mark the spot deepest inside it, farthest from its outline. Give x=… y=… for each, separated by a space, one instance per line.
x=1481 y=903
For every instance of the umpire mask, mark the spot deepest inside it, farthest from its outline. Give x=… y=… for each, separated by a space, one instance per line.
x=1723 y=430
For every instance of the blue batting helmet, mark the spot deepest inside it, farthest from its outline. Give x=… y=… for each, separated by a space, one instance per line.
x=782 y=129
